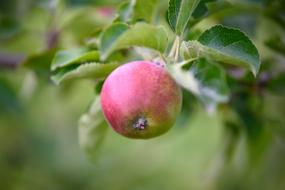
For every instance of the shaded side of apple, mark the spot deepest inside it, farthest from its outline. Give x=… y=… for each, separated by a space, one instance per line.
x=141 y=100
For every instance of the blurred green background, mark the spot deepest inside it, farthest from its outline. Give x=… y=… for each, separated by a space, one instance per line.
x=39 y=121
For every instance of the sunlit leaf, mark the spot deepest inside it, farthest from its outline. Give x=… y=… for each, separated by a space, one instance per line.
x=119 y=36
x=77 y=64
x=75 y=56
x=91 y=70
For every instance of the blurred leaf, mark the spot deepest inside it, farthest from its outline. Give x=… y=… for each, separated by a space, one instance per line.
x=92 y=129
x=201 y=9
x=120 y=36
x=206 y=80
x=137 y=10
x=276 y=44
x=187 y=110
x=144 y=10
x=91 y=70
x=99 y=86
x=79 y=23
x=40 y=62
x=24 y=42
x=93 y=2
x=276 y=84
x=71 y=57
x=232 y=135
x=225 y=45
x=125 y=11
x=8 y=27
x=179 y=13
x=250 y=112
x=9 y=101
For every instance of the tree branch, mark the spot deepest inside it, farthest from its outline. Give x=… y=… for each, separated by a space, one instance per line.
x=10 y=60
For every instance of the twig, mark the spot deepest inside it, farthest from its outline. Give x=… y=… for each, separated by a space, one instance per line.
x=10 y=61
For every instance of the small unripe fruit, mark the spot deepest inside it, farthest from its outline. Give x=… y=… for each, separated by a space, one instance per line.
x=141 y=100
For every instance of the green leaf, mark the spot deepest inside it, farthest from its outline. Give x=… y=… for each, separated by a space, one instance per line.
x=92 y=130
x=225 y=45
x=109 y=37
x=9 y=102
x=206 y=80
x=125 y=11
x=212 y=81
x=144 y=10
x=252 y=120
x=179 y=13
x=276 y=84
x=276 y=43
x=202 y=8
x=91 y=70
x=79 y=63
x=40 y=62
x=8 y=27
x=72 y=57
x=78 y=23
x=137 y=10
x=200 y=11
x=120 y=36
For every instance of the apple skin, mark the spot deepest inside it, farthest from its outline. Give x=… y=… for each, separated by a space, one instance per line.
x=141 y=100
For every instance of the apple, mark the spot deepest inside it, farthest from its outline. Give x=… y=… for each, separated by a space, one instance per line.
x=140 y=100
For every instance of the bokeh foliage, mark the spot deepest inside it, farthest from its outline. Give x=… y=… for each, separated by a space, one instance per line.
x=241 y=146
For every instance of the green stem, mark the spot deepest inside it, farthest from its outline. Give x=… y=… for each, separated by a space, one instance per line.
x=177 y=51
x=173 y=50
